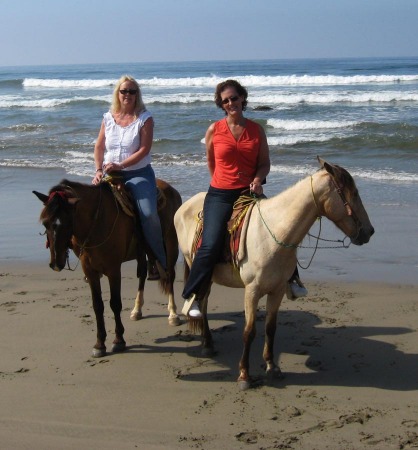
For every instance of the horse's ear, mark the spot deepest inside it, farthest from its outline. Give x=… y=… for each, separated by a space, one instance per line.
x=324 y=165
x=321 y=161
x=42 y=197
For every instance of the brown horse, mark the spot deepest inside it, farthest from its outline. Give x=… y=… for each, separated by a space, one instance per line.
x=89 y=220
x=275 y=229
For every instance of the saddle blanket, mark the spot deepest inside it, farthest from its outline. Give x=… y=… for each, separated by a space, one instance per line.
x=234 y=249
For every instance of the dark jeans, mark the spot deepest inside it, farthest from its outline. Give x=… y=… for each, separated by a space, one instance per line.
x=217 y=210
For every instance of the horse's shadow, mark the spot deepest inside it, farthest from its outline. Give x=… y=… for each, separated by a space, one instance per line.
x=335 y=356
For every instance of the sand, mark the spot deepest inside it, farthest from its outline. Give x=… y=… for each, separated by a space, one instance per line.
x=348 y=352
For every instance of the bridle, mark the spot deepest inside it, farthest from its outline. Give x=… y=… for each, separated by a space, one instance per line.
x=64 y=195
x=349 y=209
x=350 y=212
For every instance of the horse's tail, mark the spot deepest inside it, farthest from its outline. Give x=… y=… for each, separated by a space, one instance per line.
x=166 y=282
x=195 y=325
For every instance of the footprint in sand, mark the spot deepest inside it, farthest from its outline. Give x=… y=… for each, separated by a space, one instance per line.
x=410 y=423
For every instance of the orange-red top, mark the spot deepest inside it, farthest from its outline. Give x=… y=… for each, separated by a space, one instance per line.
x=235 y=160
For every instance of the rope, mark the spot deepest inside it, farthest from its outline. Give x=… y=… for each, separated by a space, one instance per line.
x=318 y=238
x=281 y=243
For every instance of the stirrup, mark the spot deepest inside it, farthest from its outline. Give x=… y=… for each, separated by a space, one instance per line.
x=295 y=289
x=191 y=308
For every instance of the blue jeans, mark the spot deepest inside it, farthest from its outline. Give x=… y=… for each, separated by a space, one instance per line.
x=217 y=210
x=142 y=185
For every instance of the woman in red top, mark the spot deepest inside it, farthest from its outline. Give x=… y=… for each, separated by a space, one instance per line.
x=238 y=158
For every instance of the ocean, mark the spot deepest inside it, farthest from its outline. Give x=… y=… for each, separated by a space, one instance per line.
x=359 y=113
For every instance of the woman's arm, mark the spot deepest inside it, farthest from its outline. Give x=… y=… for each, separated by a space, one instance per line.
x=210 y=155
x=263 y=166
x=99 y=150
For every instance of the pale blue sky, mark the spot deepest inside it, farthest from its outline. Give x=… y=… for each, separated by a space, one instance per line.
x=36 y=32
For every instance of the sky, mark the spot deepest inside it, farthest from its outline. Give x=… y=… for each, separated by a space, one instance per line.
x=48 y=32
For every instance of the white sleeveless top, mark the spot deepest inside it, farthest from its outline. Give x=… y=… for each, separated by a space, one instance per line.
x=122 y=142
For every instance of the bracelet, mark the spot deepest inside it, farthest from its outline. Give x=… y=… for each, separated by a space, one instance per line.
x=99 y=170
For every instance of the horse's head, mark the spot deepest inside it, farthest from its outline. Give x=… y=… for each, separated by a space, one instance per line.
x=57 y=218
x=343 y=204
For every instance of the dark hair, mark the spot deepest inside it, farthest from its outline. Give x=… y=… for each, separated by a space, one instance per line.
x=241 y=91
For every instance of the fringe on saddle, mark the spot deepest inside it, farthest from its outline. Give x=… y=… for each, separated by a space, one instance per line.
x=237 y=229
x=123 y=196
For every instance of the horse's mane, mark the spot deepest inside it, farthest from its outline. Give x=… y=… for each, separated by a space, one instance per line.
x=72 y=189
x=345 y=177
x=342 y=177
x=64 y=184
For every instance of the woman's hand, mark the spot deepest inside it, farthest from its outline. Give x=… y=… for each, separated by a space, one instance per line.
x=98 y=176
x=256 y=187
x=113 y=167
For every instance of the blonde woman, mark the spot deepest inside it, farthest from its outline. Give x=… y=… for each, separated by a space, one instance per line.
x=124 y=146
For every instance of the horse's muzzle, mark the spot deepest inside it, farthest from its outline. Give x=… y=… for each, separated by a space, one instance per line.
x=56 y=268
x=363 y=236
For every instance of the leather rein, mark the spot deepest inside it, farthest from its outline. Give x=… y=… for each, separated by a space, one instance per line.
x=349 y=210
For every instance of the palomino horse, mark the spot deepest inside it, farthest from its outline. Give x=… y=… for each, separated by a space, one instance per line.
x=89 y=220
x=275 y=229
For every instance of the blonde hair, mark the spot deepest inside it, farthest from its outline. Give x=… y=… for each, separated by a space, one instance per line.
x=116 y=105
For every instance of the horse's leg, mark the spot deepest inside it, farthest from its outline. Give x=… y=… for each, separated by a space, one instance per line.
x=136 y=313
x=141 y=272
x=272 y=307
x=173 y=317
x=172 y=251
x=250 y=302
x=93 y=279
x=119 y=344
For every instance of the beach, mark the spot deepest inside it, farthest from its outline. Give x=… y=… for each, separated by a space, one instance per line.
x=348 y=351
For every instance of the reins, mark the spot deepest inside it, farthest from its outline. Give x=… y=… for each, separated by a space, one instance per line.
x=319 y=218
x=96 y=217
x=83 y=246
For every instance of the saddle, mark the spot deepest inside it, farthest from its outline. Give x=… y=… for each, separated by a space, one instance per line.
x=124 y=197
x=234 y=248
x=126 y=202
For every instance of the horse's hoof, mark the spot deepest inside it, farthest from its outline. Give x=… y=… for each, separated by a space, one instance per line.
x=207 y=352
x=174 y=321
x=274 y=374
x=98 y=352
x=136 y=315
x=118 y=347
x=244 y=385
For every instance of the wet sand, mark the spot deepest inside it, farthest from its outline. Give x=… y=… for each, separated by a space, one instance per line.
x=348 y=353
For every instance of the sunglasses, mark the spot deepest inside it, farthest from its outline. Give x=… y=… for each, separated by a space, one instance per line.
x=128 y=91
x=230 y=99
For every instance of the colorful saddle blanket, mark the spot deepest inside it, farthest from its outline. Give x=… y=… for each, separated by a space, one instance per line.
x=234 y=250
x=123 y=196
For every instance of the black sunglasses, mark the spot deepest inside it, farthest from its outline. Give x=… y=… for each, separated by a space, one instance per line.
x=128 y=91
x=230 y=99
